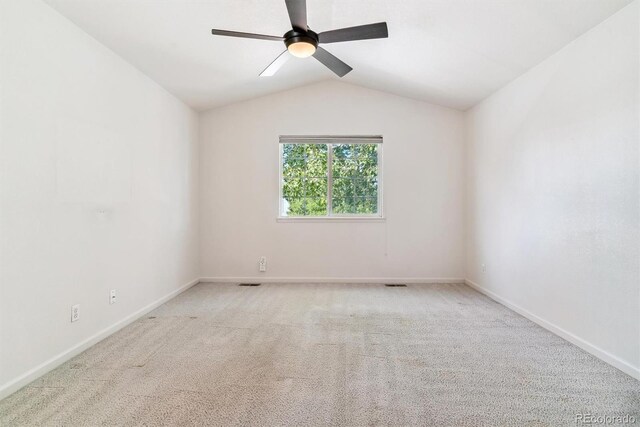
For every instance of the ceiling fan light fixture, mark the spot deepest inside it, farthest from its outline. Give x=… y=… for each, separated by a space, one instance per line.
x=301 y=44
x=301 y=49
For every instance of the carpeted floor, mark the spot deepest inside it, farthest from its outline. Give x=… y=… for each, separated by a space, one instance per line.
x=312 y=355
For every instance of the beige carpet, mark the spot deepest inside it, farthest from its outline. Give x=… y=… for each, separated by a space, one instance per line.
x=312 y=355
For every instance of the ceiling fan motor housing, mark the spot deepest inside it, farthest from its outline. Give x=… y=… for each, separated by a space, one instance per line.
x=298 y=36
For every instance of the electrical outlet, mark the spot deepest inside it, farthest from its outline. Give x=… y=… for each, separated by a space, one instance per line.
x=112 y=296
x=484 y=267
x=263 y=263
x=75 y=312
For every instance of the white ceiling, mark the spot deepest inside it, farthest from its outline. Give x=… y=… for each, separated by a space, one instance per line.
x=449 y=52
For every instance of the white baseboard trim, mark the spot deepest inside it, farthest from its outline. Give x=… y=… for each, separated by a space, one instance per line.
x=364 y=280
x=24 y=379
x=601 y=354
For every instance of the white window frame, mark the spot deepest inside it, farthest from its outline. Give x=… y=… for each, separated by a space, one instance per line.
x=330 y=140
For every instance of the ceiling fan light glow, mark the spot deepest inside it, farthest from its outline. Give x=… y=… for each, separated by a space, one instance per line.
x=301 y=49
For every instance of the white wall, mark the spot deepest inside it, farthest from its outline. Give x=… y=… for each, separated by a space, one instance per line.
x=422 y=236
x=553 y=192
x=98 y=189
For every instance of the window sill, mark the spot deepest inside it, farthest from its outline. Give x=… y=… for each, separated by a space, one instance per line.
x=331 y=219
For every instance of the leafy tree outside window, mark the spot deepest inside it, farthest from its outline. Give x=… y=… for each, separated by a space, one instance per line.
x=336 y=178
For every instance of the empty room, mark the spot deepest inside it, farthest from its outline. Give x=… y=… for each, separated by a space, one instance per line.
x=319 y=213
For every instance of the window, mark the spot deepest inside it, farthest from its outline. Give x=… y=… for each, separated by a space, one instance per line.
x=330 y=177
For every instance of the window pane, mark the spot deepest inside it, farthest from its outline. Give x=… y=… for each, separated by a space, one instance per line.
x=355 y=179
x=304 y=175
x=315 y=196
x=293 y=207
x=356 y=205
x=316 y=207
x=343 y=187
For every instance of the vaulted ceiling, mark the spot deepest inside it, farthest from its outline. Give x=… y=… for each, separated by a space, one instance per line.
x=449 y=52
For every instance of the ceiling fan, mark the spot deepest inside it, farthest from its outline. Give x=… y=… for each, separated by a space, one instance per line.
x=302 y=42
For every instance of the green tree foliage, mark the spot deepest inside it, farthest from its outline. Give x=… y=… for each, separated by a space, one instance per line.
x=355 y=179
x=304 y=171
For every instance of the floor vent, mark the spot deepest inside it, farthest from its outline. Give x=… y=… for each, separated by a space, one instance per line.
x=395 y=285
x=249 y=284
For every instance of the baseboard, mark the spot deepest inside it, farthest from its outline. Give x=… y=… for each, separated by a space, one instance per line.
x=16 y=384
x=267 y=279
x=573 y=339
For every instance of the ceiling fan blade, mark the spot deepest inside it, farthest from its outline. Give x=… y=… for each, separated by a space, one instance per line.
x=331 y=62
x=245 y=35
x=297 y=13
x=361 y=32
x=276 y=64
